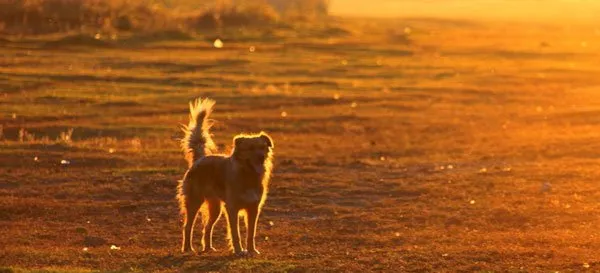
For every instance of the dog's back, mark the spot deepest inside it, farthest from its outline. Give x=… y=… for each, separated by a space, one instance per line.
x=208 y=176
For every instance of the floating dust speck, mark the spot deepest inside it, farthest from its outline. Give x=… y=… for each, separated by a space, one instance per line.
x=271 y=223
x=382 y=158
x=114 y=247
x=88 y=222
x=85 y=249
x=218 y=43
x=407 y=30
x=506 y=169
x=111 y=151
x=252 y=49
x=450 y=167
x=36 y=159
x=472 y=202
x=445 y=255
x=344 y=62
x=136 y=144
x=65 y=162
x=14 y=115
x=354 y=104
x=284 y=114
x=397 y=234
x=148 y=219
x=97 y=36
x=114 y=36
x=483 y=170
x=586 y=265
x=567 y=206
x=336 y=96
x=271 y=89
x=441 y=168
x=266 y=238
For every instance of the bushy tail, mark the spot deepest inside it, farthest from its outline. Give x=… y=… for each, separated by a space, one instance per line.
x=197 y=141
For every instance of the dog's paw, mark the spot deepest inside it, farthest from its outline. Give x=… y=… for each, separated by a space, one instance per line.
x=241 y=253
x=189 y=252
x=253 y=252
x=209 y=249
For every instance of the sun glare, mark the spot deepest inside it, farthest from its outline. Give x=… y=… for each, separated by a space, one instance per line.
x=549 y=10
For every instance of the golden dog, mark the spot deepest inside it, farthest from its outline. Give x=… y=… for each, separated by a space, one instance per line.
x=238 y=180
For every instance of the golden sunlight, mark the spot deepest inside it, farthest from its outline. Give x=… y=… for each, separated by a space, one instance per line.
x=474 y=9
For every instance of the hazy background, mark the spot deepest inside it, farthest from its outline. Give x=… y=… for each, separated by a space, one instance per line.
x=476 y=9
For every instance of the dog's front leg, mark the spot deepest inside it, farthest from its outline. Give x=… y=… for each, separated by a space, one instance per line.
x=251 y=221
x=234 y=231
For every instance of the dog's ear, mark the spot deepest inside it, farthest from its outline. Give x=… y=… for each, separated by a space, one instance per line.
x=239 y=141
x=267 y=139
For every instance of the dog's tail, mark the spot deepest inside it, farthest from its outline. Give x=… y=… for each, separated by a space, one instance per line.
x=197 y=141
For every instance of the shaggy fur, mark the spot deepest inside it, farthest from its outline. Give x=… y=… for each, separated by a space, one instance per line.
x=238 y=180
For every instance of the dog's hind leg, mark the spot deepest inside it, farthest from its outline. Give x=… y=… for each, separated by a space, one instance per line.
x=191 y=211
x=214 y=212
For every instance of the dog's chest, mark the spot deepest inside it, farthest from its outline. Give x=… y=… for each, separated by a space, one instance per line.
x=251 y=196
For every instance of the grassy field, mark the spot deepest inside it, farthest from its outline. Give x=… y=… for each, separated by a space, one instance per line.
x=417 y=145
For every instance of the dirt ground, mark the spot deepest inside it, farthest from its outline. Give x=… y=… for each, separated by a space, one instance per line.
x=405 y=146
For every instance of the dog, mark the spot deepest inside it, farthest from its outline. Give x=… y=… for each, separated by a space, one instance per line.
x=237 y=182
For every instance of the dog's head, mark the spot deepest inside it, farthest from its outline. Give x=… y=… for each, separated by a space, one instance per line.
x=253 y=151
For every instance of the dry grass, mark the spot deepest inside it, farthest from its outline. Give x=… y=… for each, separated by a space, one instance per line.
x=34 y=17
x=51 y=16
x=460 y=147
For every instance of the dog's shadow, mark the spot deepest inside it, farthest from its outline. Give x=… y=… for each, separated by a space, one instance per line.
x=212 y=262
x=206 y=263
x=221 y=262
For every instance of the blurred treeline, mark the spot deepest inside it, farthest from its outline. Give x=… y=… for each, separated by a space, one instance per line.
x=32 y=17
